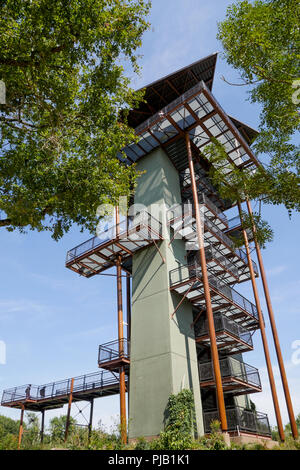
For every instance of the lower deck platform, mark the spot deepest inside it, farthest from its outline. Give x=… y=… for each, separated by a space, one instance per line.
x=56 y=394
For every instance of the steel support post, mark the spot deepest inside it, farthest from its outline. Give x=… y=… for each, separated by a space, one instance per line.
x=121 y=340
x=21 y=426
x=69 y=410
x=274 y=330
x=42 y=426
x=263 y=332
x=91 y=418
x=209 y=311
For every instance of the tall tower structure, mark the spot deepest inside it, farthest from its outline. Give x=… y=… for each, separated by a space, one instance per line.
x=187 y=324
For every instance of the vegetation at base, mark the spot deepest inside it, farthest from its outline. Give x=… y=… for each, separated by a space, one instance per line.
x=177 y=435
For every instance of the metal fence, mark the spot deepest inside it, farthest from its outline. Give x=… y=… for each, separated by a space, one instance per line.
x=222 y=323
x=114 y=350
x=231 y=367
x=240 y=419
x=82 y=383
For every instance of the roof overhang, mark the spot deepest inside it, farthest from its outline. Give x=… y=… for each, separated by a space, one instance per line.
x=197 y=113
x=165 y=90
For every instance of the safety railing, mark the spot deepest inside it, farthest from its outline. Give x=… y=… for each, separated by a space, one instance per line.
x=231 y=367
x=187 y=272
x=240 y=420
x=114 y=350
x=222 y=323
x=184 y=213
x=82 y=383
x=152 y=226
x=212 y=253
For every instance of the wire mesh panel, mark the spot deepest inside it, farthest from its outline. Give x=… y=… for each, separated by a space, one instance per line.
x=240 y=419
x=114 y=350
x=231 y=367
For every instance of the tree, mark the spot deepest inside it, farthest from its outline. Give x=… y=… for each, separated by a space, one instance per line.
x=58 y=427
x=60 y=130
x=261 y=41
x=9 y=425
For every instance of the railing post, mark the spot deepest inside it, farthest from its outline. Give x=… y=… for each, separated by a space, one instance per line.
x=274 y=330
x=69 y=408
x=263 y=333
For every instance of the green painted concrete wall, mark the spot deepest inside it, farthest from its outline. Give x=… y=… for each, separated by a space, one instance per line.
x=163 y=351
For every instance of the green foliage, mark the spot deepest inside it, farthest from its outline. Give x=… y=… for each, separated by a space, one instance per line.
x=178 y=432
x=60 y=129
x=9 y=425
x=57 y=428
x=215 y=439
x=261 y=41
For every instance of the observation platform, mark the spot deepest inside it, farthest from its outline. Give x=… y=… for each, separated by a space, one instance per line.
x=238 y=378
x=231 y=338
x=56 y=394
x=186 y=280
x=122 y=240
x=114 y=355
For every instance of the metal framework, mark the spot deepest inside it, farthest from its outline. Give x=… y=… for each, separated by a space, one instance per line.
x=180 y=115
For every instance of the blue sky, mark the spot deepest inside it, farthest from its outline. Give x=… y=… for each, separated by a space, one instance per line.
x=52 y=321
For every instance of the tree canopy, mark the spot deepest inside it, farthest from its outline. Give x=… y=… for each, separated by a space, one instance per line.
x=261 y=41
x=61 y=63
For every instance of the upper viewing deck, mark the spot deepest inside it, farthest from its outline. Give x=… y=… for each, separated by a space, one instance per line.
x=197 y=113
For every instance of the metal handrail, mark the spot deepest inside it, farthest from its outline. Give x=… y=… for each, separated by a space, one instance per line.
x=222 y=323
x=113 y=350
x=122 y=229
x=231 y=367
x=60 y=388
x=239 y=418
x=189 y=271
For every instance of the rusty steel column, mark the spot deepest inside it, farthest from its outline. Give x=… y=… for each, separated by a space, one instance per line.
x=21 y=426
x=42 y=426
x=69 y=409
x=209 y=311
x=263 y=332
x=121 y=340
x=274 y=330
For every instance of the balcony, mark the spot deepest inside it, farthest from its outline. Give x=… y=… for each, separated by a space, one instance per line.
x=122 y=240
x=231 y=337
x=181 y=219
x=240 y=420
x=238 y=378
x=114 y=355
x=56 y=394
x=186 y=280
